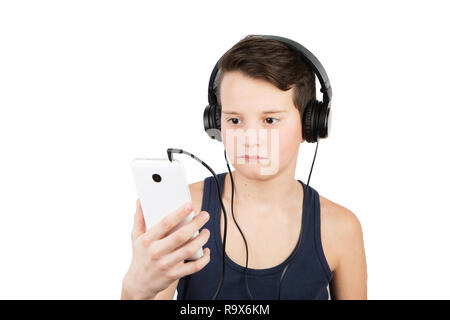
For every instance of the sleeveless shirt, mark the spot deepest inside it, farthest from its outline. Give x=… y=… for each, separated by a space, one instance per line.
x=307 y=276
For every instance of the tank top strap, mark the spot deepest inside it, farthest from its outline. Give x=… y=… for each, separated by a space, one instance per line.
x=210 y=201
x=315 y=203
x=195 y=282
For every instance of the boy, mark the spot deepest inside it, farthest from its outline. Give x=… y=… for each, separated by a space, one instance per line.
x=263 y=87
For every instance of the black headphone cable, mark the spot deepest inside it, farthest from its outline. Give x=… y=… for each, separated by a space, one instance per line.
x=305 y=190
x=232 y=212
x=169 y=154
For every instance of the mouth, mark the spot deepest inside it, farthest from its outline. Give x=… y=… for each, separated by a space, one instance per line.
x=247 y=157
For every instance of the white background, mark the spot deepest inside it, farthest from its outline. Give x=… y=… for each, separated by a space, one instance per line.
x=86 y=86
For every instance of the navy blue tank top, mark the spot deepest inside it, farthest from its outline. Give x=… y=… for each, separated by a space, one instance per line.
x=307 y=276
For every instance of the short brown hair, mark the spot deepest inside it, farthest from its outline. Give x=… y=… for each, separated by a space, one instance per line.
x=272 y=61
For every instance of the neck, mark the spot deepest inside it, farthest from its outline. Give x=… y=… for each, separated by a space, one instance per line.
x=269 y=195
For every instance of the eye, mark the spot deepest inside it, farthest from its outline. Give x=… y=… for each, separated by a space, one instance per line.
x=272 y=120
x=233 y=120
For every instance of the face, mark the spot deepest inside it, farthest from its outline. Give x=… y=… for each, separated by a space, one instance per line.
x=260 y=125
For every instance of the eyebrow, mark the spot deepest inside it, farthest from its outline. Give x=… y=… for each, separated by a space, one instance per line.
x=268 y=111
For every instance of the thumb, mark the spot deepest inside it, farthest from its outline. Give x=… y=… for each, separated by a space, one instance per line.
x=139 y=222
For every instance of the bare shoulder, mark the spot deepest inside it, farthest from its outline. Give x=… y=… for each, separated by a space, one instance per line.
x=196 y=191
x=339 y=216
x=340 y=229
x=343 y=244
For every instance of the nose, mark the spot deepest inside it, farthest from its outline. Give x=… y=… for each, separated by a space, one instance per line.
x=252 y=137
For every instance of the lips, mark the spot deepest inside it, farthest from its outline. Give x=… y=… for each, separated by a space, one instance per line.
x=247 y=157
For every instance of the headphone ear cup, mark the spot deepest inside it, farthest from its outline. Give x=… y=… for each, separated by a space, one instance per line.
x=206 y=117
x=308 y=130
x=211 y=121
x=316 y=121
x=217 y=116
x=323 y=120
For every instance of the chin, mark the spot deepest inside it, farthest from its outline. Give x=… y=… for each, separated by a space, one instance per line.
x=256 y=170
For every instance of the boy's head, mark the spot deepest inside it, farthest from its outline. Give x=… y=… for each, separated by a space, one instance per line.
x=258 y=76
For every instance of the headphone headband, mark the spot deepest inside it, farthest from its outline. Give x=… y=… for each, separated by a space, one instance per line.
x=312 y=61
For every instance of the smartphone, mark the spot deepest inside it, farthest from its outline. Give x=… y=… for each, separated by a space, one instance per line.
x=162 y=188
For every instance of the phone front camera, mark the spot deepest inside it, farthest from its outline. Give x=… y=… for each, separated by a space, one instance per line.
x=156 y=177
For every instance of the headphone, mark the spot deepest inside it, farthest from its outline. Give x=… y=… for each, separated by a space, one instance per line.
x=316 y=118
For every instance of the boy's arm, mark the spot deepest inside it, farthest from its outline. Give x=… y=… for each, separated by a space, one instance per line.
x=350 y=275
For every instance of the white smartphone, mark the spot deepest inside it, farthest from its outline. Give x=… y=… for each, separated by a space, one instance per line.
x=162 y=188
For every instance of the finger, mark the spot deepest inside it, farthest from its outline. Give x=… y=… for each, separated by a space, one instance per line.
x=188 y=268
x=139 y=222
x=179 y=237
x=167 y=223
x=186 y=251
